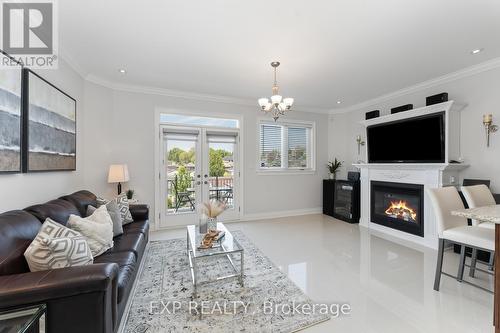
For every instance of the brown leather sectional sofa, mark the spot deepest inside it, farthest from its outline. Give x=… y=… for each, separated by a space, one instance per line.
x=79 y=299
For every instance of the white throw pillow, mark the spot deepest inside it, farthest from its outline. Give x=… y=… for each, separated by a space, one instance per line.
x=96 y=228
x=116 y=217
x=56 y=246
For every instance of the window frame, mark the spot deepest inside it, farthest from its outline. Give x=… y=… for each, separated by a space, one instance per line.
x=284 y=169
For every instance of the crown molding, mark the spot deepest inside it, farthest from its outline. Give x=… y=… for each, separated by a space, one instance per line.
x=187 y=95
x=457 y=75
x=68 y=58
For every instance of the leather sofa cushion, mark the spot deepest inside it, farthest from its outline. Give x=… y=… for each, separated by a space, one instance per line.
x=81 y=200
x=140 y=212
x=134 y=242
x=127 y=266
x=137 y=226
x=58 y=210
x=17 y=230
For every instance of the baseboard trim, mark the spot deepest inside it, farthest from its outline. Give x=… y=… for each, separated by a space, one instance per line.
x=259 y=216
x=284 y=213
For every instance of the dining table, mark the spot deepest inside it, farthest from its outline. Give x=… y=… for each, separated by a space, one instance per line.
x=488 y=214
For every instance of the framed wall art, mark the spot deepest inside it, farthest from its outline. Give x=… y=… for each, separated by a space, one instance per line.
x=50 y=124
x=11 y=134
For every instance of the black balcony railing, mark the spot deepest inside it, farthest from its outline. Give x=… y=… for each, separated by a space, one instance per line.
x=182 y=192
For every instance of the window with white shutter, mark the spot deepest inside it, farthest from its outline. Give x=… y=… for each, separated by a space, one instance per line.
x=271 y=144
x=286 y=146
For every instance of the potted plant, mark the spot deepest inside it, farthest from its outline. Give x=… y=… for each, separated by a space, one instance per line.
x=333 y=167
x=130 y=194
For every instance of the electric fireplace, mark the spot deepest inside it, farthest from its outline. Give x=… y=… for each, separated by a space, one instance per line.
x=398 y=205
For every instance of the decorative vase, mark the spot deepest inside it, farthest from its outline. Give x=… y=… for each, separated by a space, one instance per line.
x=212 y=223
x=333 y=176
x=203 y=226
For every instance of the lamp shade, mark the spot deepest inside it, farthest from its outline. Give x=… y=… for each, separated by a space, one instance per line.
x=263 y=102
x=276 y=99
x=288 y=102
x=118 y=173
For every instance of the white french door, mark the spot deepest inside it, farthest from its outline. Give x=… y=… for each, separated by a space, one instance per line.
x=198 y=164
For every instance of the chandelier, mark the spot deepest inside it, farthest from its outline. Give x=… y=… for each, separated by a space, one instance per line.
x=278 y=105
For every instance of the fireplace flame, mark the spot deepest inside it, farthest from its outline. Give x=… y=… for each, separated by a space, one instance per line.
x=400 y=209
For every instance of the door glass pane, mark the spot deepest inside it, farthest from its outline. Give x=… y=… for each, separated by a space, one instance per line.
x=180 y=164
x=221 y=168
x=198 y=121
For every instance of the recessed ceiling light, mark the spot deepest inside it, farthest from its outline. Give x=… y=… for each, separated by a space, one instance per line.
x=476 y=51
x=123 y=71
x=338 y=102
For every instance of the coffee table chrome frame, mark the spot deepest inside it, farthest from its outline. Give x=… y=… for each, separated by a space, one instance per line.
x=194 y=270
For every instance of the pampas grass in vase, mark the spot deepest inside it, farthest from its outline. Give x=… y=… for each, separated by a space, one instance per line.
x=210 y=210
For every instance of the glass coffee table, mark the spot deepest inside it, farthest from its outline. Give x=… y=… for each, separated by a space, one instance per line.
x=23 y=320
x=225 y=247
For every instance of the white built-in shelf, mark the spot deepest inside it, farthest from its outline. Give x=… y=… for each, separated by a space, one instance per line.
x=413 y=166
x=441 y=107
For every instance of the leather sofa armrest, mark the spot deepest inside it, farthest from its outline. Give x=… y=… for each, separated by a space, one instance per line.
x=39 y=287
x=139 y=212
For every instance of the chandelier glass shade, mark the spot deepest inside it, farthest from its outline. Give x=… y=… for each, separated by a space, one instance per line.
x=277 y=105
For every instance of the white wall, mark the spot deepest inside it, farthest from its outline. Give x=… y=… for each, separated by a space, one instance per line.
x=18 y=191
x=480 y=92
x=119 y=128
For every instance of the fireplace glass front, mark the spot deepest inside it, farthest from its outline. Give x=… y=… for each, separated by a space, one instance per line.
x=398 y=205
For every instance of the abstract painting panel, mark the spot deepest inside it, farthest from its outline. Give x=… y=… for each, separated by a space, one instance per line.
x=51 y=127
x=10 y=117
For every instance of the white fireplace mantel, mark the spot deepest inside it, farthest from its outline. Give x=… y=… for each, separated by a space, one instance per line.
x=430 y=175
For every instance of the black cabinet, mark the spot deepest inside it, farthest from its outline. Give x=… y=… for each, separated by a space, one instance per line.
x=328 y=194
x=341 y=199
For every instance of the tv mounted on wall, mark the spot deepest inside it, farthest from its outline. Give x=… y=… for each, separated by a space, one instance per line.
x=414 y=140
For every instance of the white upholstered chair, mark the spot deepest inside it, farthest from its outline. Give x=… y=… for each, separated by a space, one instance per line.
x=478 y=196
x=454 y=229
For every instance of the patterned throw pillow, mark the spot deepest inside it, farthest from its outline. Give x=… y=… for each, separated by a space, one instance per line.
x=116 y=217
x=56 y=246
x=101 y=201
x=124 y=208
x=96 y=228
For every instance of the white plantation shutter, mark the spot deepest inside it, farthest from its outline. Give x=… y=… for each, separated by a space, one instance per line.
x=286 y=146
x=298 y=147
x=271 y=143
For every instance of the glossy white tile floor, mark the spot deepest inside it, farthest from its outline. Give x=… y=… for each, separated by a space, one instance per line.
x=388 y=285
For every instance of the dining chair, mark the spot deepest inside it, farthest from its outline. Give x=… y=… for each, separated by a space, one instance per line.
x=478 y=196
x=454 y=229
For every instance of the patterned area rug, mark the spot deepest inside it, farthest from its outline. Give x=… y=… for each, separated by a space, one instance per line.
x=163 y=297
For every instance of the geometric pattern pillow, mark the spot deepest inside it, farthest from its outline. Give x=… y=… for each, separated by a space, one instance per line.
x=124 y=209
x=101 y=201
x=52 y=229
x=46 y=252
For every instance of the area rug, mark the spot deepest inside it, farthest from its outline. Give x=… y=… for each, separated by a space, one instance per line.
x=163 y=300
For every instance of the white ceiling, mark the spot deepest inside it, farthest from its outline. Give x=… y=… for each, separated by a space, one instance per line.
x=351 y=50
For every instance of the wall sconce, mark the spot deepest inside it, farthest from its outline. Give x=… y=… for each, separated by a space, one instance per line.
x=360 y=143
x=489 y=127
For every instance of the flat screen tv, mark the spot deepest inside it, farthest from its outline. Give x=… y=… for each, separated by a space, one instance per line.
x=414 y=140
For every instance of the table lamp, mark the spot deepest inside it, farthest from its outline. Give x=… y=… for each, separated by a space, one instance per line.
x=118 y=173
